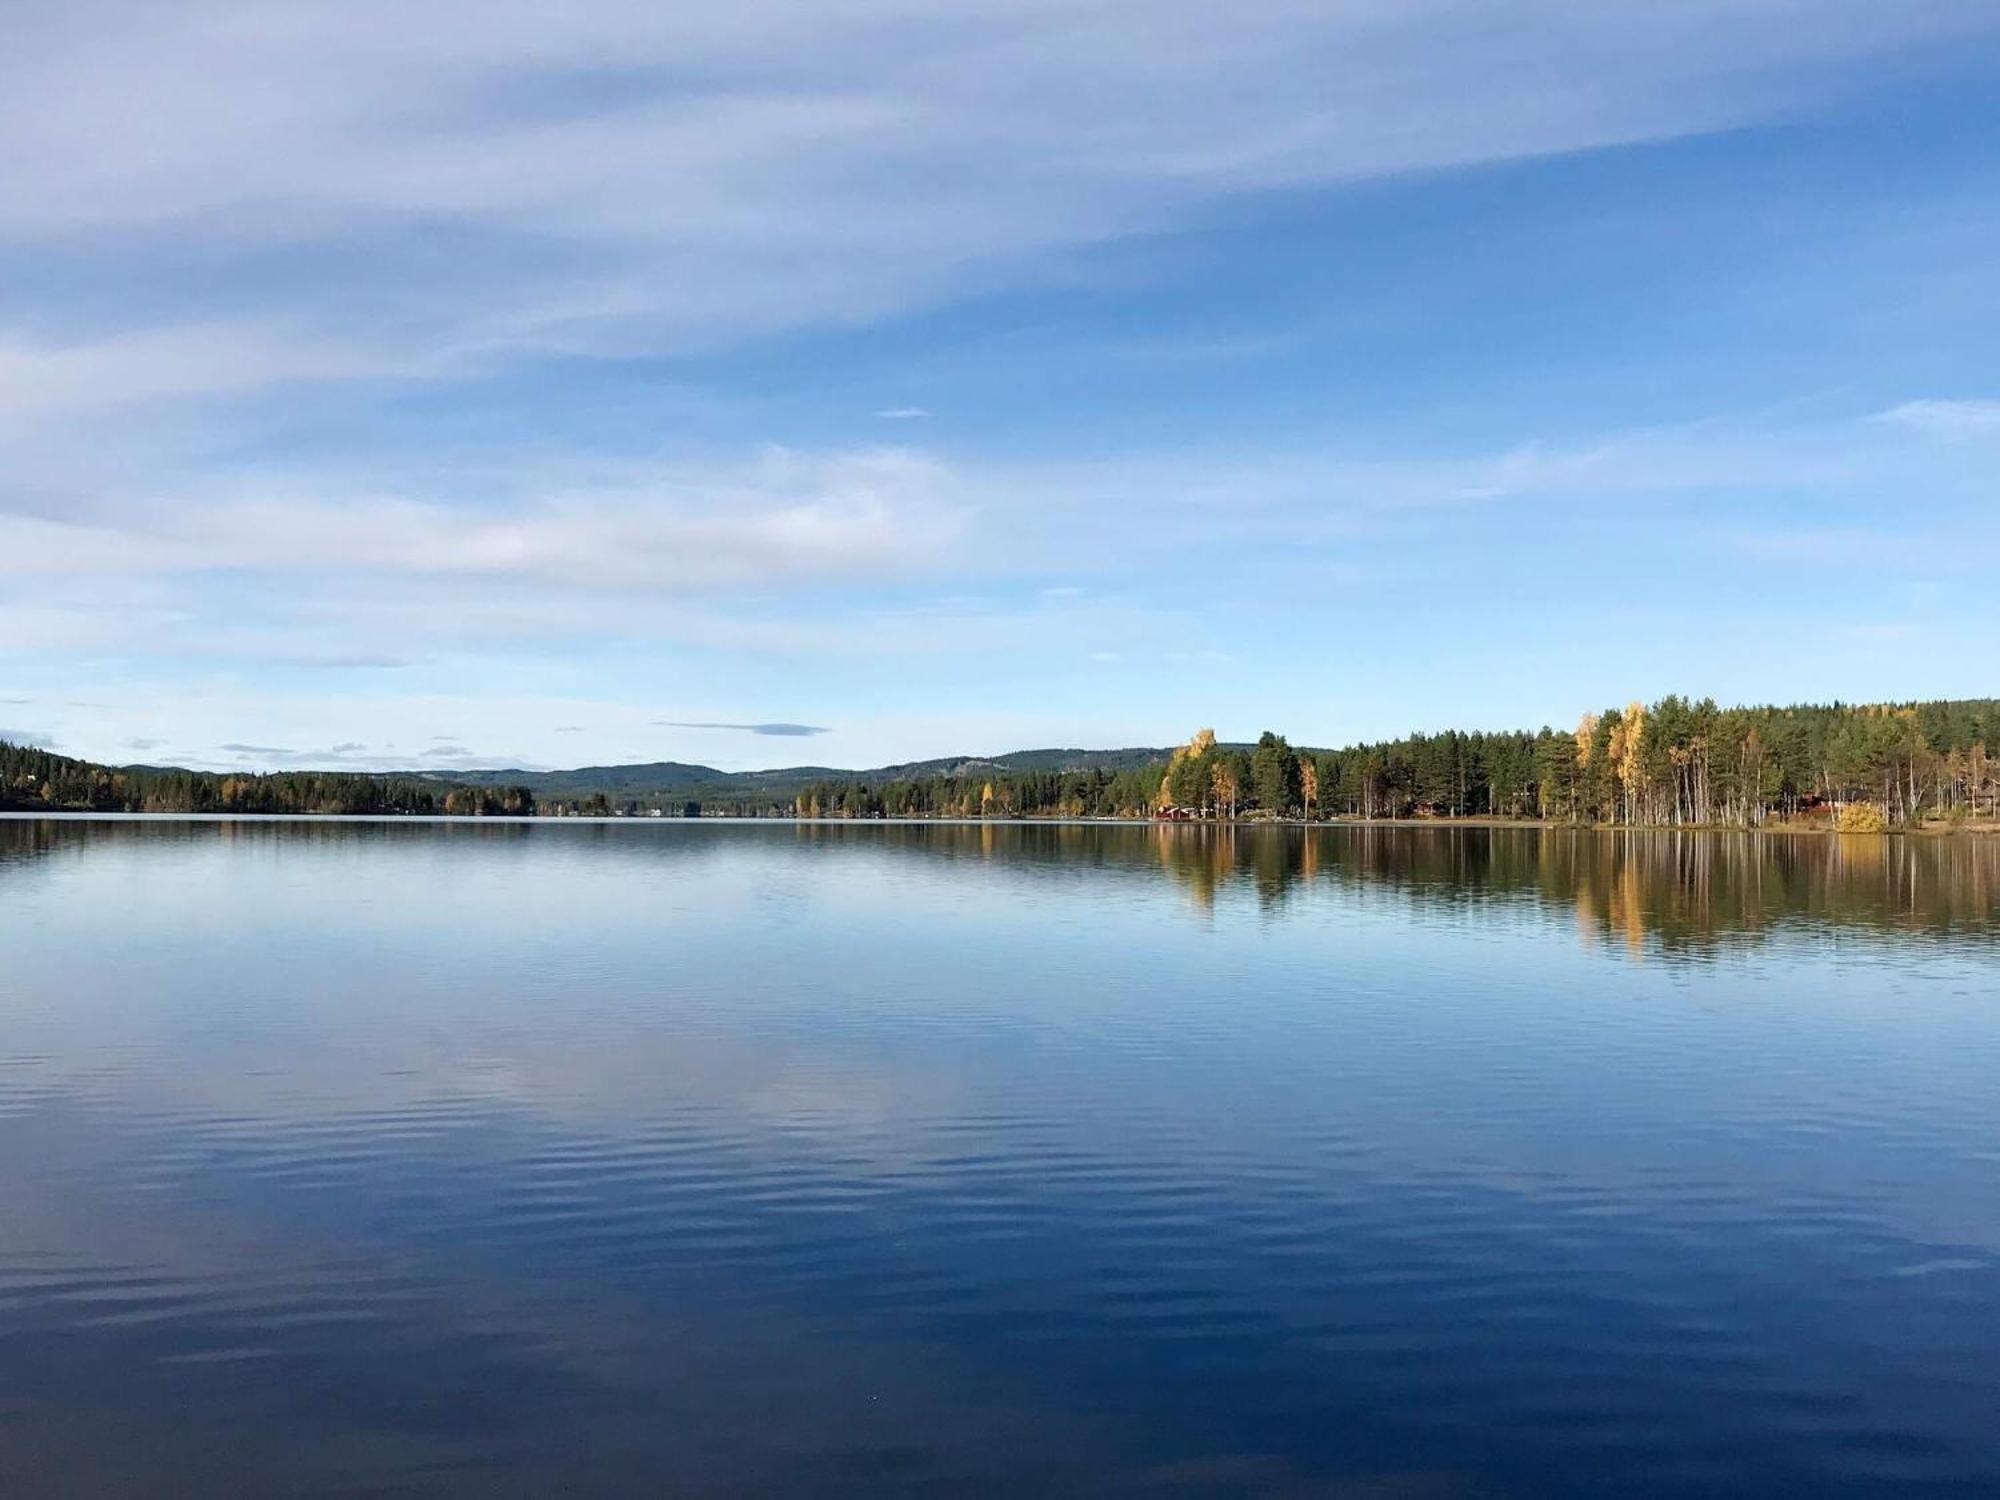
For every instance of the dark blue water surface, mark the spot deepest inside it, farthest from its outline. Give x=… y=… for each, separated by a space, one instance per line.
x=694 y=1159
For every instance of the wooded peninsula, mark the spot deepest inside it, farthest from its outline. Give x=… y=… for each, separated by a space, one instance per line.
x=1677 y=762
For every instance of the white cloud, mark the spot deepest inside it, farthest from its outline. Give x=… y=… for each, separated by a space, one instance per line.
x=1952 y=419
x=785 y=517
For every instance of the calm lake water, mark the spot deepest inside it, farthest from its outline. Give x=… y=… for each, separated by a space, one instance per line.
x=695 y=1159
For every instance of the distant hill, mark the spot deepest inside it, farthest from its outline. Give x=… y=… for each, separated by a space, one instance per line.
x=667 y=779
x=633 y=780
x=1013 y=760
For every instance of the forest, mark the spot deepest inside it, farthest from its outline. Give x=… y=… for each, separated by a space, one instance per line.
x=1675 y=762
x=33 y=780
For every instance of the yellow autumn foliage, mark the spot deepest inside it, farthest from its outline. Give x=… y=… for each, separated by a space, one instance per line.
x=1631 y=747
x=1202 y=742
x=1862 y=817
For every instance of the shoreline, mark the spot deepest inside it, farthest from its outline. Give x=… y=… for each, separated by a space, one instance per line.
x=1985 y=828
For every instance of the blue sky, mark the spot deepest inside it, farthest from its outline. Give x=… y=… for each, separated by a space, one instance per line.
x=389 y=385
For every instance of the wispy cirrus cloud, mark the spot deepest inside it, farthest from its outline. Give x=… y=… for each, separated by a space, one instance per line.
x=786 y=165
x=1881 y=632
x=872 y=551
x=1951 y=419
x=776 y=730
x=351 y=754
x=47 y=379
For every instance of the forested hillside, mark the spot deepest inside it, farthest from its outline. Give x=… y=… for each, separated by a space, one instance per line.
x=670 y=785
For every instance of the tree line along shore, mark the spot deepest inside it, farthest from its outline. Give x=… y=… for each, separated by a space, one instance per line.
x=1674 y=763
x=1677 y=762
x=35 y=780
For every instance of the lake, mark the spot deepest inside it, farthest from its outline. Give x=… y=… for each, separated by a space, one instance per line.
x=641 y=1158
